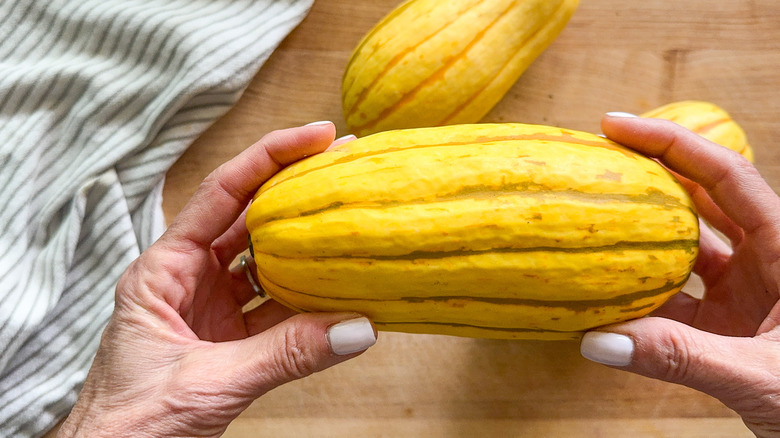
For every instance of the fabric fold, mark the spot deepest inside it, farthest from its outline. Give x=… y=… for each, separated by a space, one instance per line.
x=98 y=98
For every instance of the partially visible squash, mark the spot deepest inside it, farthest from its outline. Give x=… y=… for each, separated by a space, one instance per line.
x=441 y=62
x=708 y=120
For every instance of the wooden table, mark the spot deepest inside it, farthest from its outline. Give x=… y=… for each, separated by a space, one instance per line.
x=614 y=55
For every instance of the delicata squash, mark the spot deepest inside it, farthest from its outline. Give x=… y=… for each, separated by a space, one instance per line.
x=708 y=120
x=487 y=230
x=441 y=62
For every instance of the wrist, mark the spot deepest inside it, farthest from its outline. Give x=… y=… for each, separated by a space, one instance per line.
x=83 y=422
x=92 y=418
x=86 y=420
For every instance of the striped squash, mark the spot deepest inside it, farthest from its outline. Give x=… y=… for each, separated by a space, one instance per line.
x=499 y=231
x=708 y=120
x=441 y=62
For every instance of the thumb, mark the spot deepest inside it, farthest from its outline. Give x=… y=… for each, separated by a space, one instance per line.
x=300 y=346
x=674 y=352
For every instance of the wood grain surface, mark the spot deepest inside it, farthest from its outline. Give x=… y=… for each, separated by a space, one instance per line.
x=614 y=55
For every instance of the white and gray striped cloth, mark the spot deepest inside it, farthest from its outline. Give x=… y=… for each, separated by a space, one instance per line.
x=98 y=98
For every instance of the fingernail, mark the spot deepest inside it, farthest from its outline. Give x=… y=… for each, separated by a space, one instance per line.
x=621 y=114
x=607 y=348
x=351 y=336
x=348 y=137
x=321 y=122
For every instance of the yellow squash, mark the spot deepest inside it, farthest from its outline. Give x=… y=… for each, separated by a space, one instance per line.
x=441 y=62
x=487 y=230
x=708 y=120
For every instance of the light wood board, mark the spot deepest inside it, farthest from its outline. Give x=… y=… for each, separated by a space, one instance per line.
x=614 y=55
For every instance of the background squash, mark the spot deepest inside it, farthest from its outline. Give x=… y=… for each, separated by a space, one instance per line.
x=440 y=62
x=708 y=120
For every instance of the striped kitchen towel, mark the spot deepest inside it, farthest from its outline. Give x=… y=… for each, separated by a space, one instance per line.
x=98 y=98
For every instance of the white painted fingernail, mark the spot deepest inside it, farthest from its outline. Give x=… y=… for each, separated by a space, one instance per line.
x=348 y=137
x=351 y=336
x=321 y=122
x=607 y=348
x=621 y=114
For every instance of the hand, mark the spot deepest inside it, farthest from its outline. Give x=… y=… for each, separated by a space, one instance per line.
x=179 y=357
x=728 y=343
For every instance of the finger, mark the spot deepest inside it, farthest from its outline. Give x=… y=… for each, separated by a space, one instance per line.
x=266 y=315
x=297 y=347
x=732 y=182
x=680 y=307
x=233 y=242
x=714 y=255
x=246 y=287
x=709 y=210
x=674 y=352
x=236 y=238
x=711 y=262
x=341 y=140
x=770 y=326
x=241 y=284
x=225 y=193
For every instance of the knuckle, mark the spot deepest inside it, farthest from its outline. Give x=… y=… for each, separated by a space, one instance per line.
x=738 y=168
x=127 y=284
x=678 y=358
x=214 y=182
x=297 y=358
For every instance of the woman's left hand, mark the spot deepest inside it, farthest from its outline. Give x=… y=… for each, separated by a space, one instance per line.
x=179 y=356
